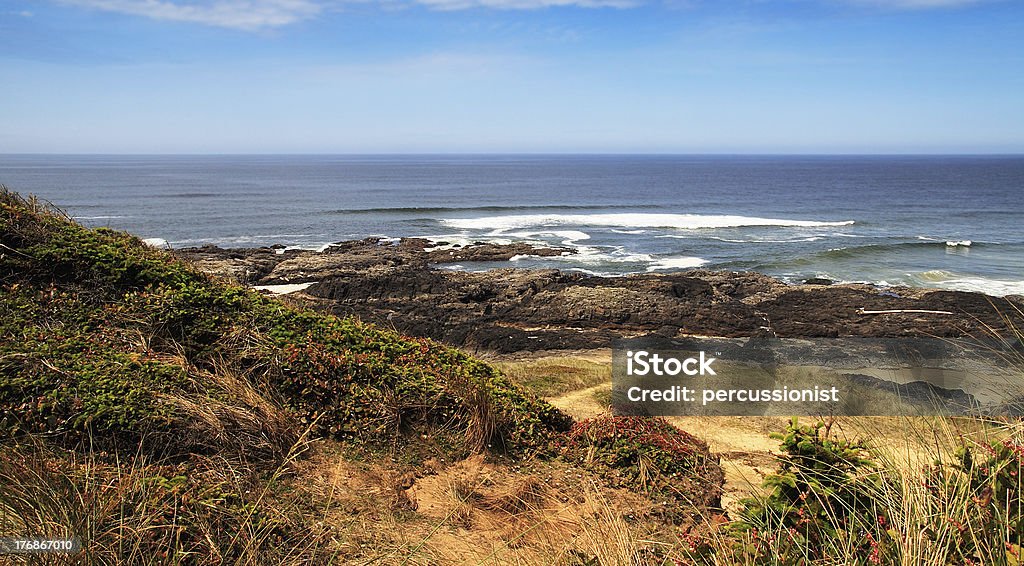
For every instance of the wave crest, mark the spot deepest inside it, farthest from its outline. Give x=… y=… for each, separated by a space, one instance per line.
x=629 y=220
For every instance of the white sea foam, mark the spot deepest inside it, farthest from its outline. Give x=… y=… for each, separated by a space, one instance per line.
x=996 y=287
x=595 y=256
x=155 y=242
x=456 y=241
x=622 y=256
x=955 y=243
x=592 y=272
x=501 y=224
x=676 y=263
x=568 y=237
x=958 y=282
x=754 y=240
x=280 y=251
x=258 y=239
x=935 y=276
x=587 y=255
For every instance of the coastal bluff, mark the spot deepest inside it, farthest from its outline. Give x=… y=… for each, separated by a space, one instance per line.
x=409 y=285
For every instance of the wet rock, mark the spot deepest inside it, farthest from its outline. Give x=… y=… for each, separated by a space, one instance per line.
x=245 y=265
x=509 y=310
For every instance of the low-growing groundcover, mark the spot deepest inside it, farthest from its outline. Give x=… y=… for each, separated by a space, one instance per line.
x=103 y=334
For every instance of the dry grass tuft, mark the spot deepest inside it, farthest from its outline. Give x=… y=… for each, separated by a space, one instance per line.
x=605 y=538
x=524 y=494
x=230 y=415
x=144 y=511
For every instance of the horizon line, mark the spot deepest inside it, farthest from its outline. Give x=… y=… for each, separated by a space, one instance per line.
x=512 y=153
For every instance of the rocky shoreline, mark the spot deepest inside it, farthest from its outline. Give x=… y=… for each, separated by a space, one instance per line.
x=404 y=284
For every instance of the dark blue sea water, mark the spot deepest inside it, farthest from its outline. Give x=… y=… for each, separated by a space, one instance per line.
x=886 y=220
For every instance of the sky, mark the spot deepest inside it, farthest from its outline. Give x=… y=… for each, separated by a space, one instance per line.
x=512 y=76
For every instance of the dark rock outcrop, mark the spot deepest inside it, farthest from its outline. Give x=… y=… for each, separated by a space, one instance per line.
x=509 y=310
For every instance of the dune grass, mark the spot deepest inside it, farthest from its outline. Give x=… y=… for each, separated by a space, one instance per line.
x=950 y=494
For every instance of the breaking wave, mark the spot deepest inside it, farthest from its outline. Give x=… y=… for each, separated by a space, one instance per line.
x=498 y=224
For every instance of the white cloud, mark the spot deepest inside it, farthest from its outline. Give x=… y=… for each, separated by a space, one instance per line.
x=238 y=14
x=262 y=14
x=523 y=4
x=914 y=4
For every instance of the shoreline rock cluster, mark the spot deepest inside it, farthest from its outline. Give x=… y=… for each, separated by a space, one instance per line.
x=398 y=284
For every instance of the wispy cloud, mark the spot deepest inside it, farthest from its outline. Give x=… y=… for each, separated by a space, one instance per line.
x=524 y=4
x=237 y=14
x=916 y=4
x=263 y=14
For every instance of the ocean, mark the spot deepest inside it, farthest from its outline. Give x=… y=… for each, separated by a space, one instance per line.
x=953 y=222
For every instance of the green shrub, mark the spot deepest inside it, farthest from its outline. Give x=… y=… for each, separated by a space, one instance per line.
x=833 y=501
x=821 y=498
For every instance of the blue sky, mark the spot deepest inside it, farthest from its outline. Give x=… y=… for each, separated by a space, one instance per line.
x=649 y=76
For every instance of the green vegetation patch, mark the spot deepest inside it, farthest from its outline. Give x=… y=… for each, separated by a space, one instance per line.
x=102 y=333
x=58 y=373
